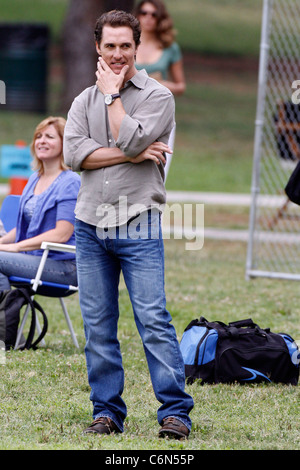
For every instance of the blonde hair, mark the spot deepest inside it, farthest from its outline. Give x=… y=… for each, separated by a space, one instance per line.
x=59 y=124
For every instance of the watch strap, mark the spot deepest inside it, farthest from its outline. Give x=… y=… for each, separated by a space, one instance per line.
x=110 y=98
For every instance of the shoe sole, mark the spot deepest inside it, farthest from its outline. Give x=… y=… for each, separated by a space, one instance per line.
x=172 y=433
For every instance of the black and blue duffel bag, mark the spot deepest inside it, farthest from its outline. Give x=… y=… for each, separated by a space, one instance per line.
x=238 y=352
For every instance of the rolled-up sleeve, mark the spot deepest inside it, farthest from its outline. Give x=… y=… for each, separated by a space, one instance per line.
x=77 y=142
x=66 y=199
x=152 y=120
x=149 y=117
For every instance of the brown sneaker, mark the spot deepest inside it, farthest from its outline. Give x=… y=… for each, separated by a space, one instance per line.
x=102 y=425
x=173 y=427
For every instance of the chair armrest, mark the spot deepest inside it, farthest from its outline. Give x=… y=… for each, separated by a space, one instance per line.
x=46 y=246
x=58 y=247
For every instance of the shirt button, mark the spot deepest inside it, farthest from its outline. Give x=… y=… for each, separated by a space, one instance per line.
x=109 y=140
x=106 y=182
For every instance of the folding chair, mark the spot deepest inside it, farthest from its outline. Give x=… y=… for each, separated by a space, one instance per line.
x=47 y=289
x=9 y=211
x=43 y=288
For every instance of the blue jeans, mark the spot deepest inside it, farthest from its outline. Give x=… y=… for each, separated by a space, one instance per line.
x=26 y=265
x=100 y=259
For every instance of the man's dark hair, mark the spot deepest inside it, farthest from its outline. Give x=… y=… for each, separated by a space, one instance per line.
x=116 y=18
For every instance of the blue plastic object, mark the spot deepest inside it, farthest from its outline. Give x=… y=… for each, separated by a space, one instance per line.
x=15 y=161
x=9 y=211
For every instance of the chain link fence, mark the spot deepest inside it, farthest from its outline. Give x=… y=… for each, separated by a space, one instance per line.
x=274 y=233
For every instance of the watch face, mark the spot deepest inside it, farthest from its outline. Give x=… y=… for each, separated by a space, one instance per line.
x=108 y=99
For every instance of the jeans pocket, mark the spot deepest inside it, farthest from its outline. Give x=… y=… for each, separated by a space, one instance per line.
x=145 y=226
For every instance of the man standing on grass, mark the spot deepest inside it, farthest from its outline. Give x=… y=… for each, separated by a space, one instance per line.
x=116 y=135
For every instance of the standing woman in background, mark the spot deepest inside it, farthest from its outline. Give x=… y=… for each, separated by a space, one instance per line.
x=158 y=52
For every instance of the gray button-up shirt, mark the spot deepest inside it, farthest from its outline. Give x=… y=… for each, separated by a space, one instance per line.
x=112 y=195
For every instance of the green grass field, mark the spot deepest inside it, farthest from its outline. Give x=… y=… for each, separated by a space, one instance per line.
x=44 y=395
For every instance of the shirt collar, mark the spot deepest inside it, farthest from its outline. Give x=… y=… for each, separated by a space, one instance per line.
x=139 y=79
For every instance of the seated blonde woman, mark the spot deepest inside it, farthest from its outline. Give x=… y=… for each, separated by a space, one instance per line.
x=46 y=213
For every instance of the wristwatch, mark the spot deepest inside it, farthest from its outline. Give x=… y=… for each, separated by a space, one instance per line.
x=109 y=99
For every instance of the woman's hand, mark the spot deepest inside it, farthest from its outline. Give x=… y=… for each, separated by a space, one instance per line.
x=12 y=247
x=8 y=238
x=60 y=234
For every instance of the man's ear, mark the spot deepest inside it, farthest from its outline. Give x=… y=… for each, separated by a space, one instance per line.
x=98 y=49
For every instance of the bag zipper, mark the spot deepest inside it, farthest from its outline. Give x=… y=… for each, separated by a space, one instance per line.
x=259 y=348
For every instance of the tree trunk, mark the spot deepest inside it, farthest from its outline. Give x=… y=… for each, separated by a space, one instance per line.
x=78 y=46
x=126 y=5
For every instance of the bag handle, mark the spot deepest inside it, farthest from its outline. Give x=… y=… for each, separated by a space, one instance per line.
x=243 y=323
x=34 y=305
x=27 y=297
x=234 y=327
x=37 y=306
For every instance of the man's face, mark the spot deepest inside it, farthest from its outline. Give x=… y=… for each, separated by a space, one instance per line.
x=117 y=48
